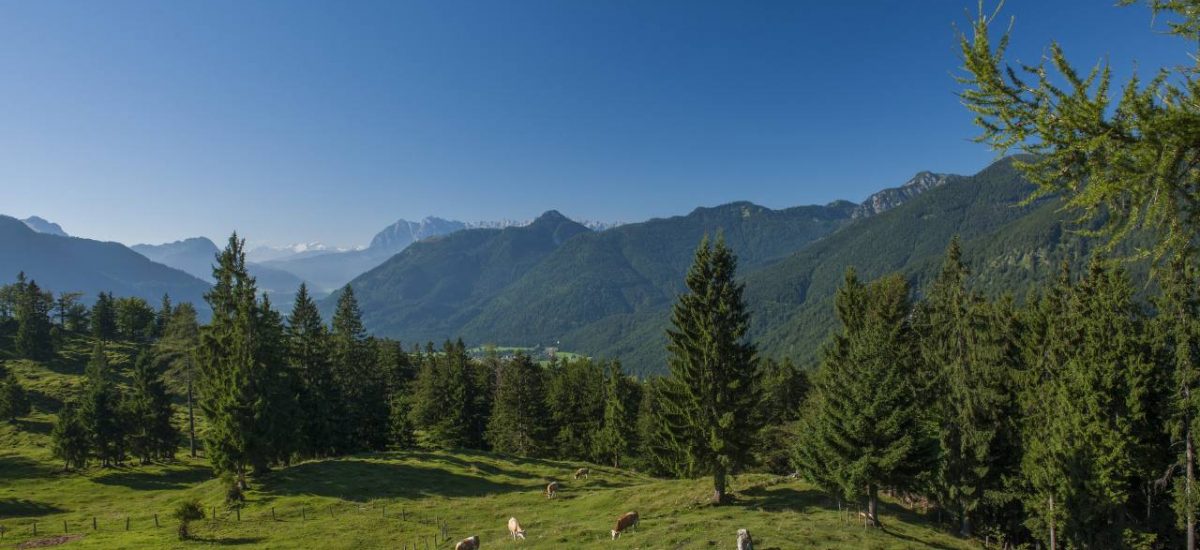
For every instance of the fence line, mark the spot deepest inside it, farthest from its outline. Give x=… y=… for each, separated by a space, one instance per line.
x=17 y=528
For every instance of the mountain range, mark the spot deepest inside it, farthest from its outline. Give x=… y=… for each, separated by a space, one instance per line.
x=70 y=264
x=556 y=282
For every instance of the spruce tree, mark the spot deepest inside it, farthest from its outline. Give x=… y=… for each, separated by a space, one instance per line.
x=148 y=412
x=863 y=428
x=575 y=400
x=445 y=399
x=33 y=339
x=69 y=437
x=308 y=355
x=361 y=385
x=163 y=317
x=243 y=378
x=100 y=412
x=714 y=379
x=402 y=433
x=615 y=437
x=1178 y=344
x=968 y=361
x=519 y=417
x=14 y=402
x=104 y=317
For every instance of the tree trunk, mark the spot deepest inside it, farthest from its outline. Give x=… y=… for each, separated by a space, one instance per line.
x=719 y=486
x=965 y=529
x=1189 y=457
x=1053 y=542
x=191 y=413
x=873 y=505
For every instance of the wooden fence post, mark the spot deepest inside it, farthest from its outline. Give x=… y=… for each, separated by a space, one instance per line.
x=94 y=523
x=65 y=531
x=273 y=514
x=303 y=515
x=126 y=523
x=238 y=509
x=156 y=520
x=35 y=528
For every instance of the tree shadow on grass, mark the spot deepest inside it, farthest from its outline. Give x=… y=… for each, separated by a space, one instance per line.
x=14 y=467
x=39 y=427
x=45 y=402
x=156 y=481
x=22 y=508
x=361 y=481
x=480 y=467
x=779 y=499
x=229 y=541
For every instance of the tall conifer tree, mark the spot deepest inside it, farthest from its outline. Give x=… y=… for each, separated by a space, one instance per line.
x=519 y=417
x=100 y=412
x=968 y=360
x=362 y=386
x=862 y=430
x=308 y=354
x=714 y=378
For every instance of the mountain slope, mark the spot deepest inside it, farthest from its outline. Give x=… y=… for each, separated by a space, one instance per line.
x=65 y=264
x=194 y=256
x=42 y=225
x=638 y=267
x=429 y=290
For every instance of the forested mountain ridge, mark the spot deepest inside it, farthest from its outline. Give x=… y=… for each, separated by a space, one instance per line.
x=427 y=291
x=70 y=264
x=638 y=267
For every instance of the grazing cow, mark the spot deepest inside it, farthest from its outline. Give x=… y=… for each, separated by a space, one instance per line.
x=744 y=542
x=582 y=472
x=469 y=543
x=626 y=521
x=552 y=489
x=514 y=529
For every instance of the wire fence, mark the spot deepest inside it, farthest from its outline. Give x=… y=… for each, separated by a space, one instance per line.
x=424 y=532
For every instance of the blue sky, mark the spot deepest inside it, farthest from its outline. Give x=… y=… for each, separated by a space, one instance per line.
x=298 y=121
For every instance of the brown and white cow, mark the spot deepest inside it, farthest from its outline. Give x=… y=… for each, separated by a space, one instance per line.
x=582 y=472
x=552 y=489
x=469 y=543
x=514 y=529
x=628 y=520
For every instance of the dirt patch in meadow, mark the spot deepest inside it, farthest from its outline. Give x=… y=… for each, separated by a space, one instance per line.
x=52 y=541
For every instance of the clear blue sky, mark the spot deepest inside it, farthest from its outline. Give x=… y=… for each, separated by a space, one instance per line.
x=296 y=121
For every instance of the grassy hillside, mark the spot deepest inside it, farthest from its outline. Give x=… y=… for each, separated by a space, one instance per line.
x=393 y=500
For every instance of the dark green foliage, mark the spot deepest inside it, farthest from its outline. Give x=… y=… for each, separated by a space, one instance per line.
x=14 y=403
x=575 y=399
x=1177 y=333
x=308 y=356
x=969 y=352
x=69 y=437
x=360 y=384
x=715 y=376
x=402 y=432
x=147 y=410
x=104 y=317
x=136 y=320
x=100 y=411
x=410 y=294
x=616 y=437
x=519 y=417
x=246 y=390
x=447 y=398
x=862 y=429
x=72 y=315
x=33 y=339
